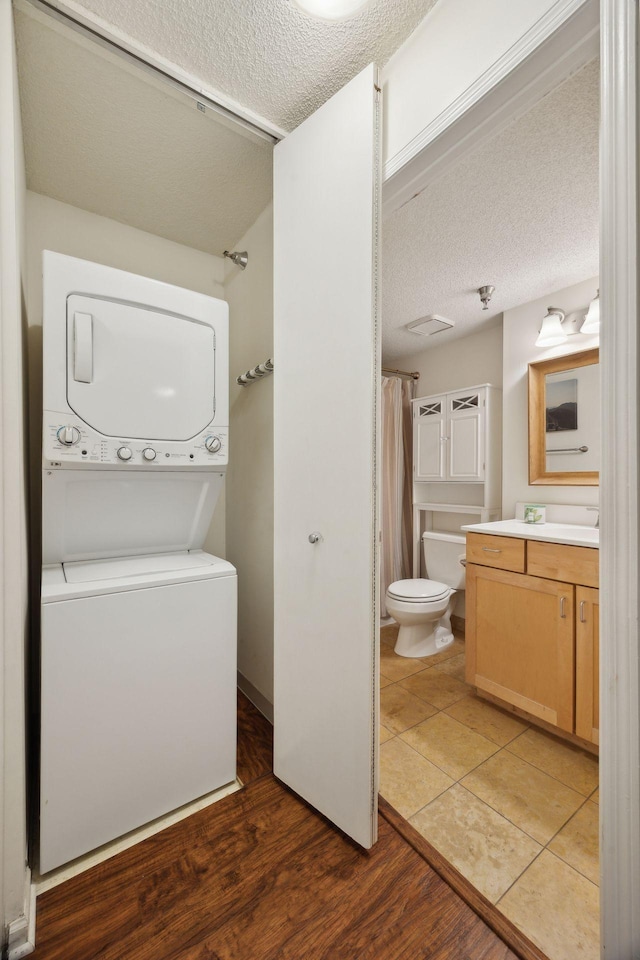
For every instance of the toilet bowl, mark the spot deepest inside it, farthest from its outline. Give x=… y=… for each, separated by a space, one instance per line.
x=422 y=606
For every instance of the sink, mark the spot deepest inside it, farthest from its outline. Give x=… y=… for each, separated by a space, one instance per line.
x=571 y=533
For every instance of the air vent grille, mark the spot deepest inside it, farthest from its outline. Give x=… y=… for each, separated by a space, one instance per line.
x=427 y=326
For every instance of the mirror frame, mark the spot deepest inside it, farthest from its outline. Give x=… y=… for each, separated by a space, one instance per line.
x=538 y=473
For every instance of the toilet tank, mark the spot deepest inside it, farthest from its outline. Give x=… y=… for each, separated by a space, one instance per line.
x=442 y=555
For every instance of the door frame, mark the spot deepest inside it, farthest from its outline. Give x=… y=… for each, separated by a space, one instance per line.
x=619 y=680
x=490 y=107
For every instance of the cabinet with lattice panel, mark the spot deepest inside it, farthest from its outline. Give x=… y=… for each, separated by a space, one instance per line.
x=456 y=459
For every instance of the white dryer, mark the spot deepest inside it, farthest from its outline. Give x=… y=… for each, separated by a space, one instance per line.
x=138 y=652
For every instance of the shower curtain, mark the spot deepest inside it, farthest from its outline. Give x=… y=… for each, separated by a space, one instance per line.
x=395 y=554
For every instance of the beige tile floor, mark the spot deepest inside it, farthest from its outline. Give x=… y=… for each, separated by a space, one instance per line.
x=512 y=807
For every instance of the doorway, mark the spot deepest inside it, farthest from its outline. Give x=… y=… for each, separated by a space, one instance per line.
x=512 y=807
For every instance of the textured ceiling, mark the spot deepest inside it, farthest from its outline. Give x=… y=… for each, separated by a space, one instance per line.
x=520 y=213
x=140 y=155
x=266 y=54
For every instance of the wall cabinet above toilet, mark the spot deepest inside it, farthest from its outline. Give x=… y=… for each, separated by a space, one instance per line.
x=451 y=435
x=457 y=452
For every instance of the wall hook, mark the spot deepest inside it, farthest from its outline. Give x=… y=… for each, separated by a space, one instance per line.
x=240 y=259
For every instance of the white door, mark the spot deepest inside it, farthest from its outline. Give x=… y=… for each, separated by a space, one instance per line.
x=429 y=462
x=466 y=435
x=326 y=185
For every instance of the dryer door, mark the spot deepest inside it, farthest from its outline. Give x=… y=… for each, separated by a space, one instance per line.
x=136 y=372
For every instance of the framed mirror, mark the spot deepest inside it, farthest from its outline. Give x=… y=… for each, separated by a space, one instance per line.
x=564 y=420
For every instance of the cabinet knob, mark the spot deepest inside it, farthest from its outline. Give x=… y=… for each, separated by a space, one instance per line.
x=583 y=604
x=563 y=604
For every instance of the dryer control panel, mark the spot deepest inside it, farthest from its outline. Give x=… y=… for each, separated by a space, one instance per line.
x=68 y=441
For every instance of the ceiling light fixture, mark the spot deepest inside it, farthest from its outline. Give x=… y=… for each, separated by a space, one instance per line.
x=591 y=323
x=485 y=294
x=551 y=332
x=331 y=9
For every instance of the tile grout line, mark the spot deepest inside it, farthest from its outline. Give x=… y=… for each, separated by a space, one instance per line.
x=501 y=748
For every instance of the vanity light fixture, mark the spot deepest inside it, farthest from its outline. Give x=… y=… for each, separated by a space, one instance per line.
x=551 y=332
x=331 y=9
x=591 y=323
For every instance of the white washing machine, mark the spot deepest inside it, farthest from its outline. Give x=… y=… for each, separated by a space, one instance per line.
x=138 y=653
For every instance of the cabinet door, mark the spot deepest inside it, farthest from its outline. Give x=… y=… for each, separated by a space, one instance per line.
x=465 y=415
x=326 y=403
x=520 y=641
x=429 y=439
x=587 y=664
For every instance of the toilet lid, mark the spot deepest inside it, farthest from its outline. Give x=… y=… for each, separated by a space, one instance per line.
x=419 y=590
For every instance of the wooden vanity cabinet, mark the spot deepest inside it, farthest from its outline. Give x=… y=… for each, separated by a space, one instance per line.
x=587 y=664
x=532 y=637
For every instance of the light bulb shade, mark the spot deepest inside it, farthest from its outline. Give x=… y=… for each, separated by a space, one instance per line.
x=331 y=9
x=591 y=323
x=551 y=332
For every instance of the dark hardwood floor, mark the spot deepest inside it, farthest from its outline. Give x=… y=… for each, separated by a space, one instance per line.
x=255 y=742
x=261 y=876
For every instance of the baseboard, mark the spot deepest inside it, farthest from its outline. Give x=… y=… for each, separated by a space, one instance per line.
x=54 y=878
x=258 y=699
x=21 y=939
x=458 y=624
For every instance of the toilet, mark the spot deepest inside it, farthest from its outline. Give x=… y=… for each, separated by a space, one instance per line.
x=423 y=607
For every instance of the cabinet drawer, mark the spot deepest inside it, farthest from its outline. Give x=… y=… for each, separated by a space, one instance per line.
x=505 y=553
x=559 y=561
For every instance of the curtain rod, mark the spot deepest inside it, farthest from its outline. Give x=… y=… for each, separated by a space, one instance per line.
x=402 y=373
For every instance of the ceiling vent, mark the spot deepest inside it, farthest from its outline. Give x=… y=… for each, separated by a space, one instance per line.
x=427 y=326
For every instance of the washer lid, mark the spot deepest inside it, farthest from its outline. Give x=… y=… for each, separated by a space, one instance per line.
x=89 y=571
x=418 y=590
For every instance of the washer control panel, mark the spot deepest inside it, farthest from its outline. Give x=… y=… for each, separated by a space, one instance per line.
x=67 y=441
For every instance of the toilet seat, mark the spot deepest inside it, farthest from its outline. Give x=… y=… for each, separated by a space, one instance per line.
x=419 y=590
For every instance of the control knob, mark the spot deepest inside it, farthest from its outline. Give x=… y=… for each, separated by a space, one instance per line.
x=124 y=453
x=68 y=436
x=149 y=453
x=213 y=444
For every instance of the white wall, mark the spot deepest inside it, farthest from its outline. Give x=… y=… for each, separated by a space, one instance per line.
x=429 y=71
x=521 y=327
x=52 y=225
x=250 y=474
x=459 y=363
x=14 y=875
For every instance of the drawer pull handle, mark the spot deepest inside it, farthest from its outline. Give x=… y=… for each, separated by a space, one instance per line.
x=563 y=602
x=583 y=604
x=491 y=550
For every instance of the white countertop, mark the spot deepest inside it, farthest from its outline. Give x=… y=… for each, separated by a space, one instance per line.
x=570 y=533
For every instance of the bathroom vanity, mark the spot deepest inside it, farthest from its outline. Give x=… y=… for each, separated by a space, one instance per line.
x=532 y=622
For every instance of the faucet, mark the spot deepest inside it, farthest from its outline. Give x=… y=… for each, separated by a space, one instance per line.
x=595 y=510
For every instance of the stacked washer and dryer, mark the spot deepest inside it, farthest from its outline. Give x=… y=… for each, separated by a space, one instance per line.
x=138 y=652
